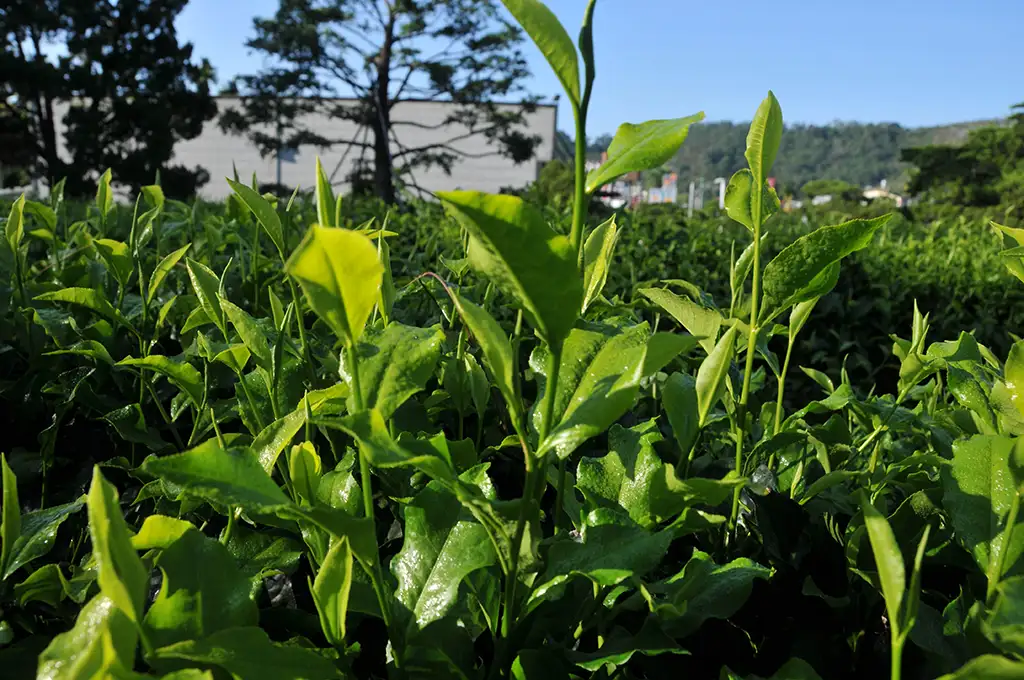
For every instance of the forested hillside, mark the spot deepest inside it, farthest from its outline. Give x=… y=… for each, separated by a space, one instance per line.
x=859 y=153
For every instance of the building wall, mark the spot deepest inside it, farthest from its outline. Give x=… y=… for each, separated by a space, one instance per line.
x=483 y=170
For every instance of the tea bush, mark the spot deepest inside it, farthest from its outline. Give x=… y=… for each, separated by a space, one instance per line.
x=239 y=445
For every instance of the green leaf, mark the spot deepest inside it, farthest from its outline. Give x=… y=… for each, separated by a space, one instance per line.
x=223 y=476
x=712 y=374
x=159 y=531
x=497 y=351
x=207 y=288
x=387 y=287
x=269 y=444
x=1013 y=375
x=670 y=495
x=512 y=245
x=763 y=138
x=130 y=423
x=788 y=278
x=443 y=545
x=341 y=275
x=643 y=146
x=700 y=322
x=988 y=667
x=679 y=399
x=14 y=230
x=163 y=269
x=38 y=533
x=607 y=554
x=10 y=523
x=739 y=195
x=181 y=373
x=586 y=43
x=619 y=646
x=597 y=256
x=1004 y=622
x=46 y=584
x=324 y=198
x=101 y=637
x=704 y=590
x=394 y=364
x=117 y=257
x=251 y=334
x=265 y=213
x=623 y=478
x=978 y=490
x=798 y=317
x=548 y=34
x=888 y=559
x=203 y=592
x=120 y=573
x=88 y=298
x=331 y=590
x=248 y=653
x=598 y=381
x=104 y=195
x=304 y=468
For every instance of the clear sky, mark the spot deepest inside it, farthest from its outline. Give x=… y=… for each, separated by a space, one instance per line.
x=914 y=62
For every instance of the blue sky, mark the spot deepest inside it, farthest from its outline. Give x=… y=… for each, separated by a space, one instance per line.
x=915 y=62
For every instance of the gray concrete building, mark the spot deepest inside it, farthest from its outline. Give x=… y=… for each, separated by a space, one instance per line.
x=481 y=168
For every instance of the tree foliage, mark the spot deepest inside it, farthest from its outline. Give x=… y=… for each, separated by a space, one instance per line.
x=377 y=55
x=987 y=169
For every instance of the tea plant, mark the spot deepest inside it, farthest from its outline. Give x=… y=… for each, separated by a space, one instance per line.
x=328 y=471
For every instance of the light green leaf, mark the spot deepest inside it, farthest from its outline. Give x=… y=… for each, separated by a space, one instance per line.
x=331 y=590
x=597 y=258
x=1013 y=375
x=341 y=275
x=117 y=257
x=324 y=198
x=512 y=245
x=763 y=138
x=203 y=592
x=497 y=353
x=888 y=558
x=644 y=146
x=712 y=374
x=46 y=584
x=14 y=230
x=265 y=213
x=269 y=444
x=248 y=653
x=798 y=317
x=394 y=364
x=159 y=531
x=598 y=381
x=978 y=490
x=250 y=332
x=197 y=318
x=181 y=373
x=223 y=476
x=619 y=646
x=1004 y=622
x=207 y=288
x=120 y=573
x=10 y=523
x=988 y=667
x=548 y=34
x=88 y=298
x=701 y=322
x=163 y=269
x=739 y=195
x=788 y=278
x=101 y=636
x=304 y=468
x=104 y=195
x=443 y=544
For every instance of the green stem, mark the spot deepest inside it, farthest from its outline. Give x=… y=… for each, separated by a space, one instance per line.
x=559 y=495
x=163 y=412
x=999 y=564
x=302 y=332
x=252 y=404
x=782 y=388
x=741 y=411
x=896 y=667
x=579 y=202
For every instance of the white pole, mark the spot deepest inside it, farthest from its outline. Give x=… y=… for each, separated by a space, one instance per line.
x=720 y=181
x=689 y=209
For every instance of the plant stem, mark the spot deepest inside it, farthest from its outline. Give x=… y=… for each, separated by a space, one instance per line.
x=559 y=495
x=252 y=404
x=302 y=332
x=998 y=565
x=782 y=388
x=579 y=200
x=896 y=660
x=755 y=294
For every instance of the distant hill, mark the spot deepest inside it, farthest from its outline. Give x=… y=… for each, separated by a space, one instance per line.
x=859 y=153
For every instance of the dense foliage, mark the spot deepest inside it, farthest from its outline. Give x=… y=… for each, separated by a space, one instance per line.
x=268 y=439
